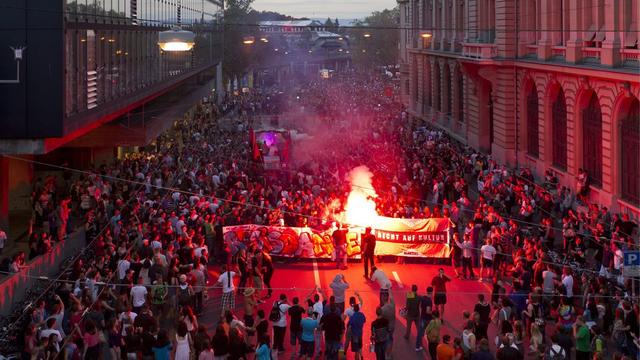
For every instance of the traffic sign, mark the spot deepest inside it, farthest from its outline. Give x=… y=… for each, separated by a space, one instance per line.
x=631 y=263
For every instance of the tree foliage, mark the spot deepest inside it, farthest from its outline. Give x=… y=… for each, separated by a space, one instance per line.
x=375 y=39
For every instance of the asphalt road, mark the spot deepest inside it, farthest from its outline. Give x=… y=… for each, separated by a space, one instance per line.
x=299 y=278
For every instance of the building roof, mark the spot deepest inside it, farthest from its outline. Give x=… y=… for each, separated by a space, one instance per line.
x=301 y=23
x=326 y=34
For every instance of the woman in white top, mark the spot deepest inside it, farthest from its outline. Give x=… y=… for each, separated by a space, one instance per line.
x=183 y=342
x=189 y=319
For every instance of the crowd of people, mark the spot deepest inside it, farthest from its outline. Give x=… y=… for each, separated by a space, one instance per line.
x=153 y=224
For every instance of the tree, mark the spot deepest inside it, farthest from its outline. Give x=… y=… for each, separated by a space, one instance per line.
x=328 y=24
x=236 y=28
x=375 y=39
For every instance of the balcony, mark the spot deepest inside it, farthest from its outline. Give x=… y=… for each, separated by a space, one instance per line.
x=479 y=50
x=591 y=55
x=630 y=57
x=531 y=51
x=558 y=52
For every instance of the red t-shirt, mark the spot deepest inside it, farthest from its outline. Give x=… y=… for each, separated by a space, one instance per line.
x=439 y=284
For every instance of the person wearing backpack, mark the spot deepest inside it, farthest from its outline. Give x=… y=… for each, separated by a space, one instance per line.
x=413 y=310
x=583 y=339
x=556 y=352
x=278 y=316
x=380 y=334
x=432 y=332
x=598 y=343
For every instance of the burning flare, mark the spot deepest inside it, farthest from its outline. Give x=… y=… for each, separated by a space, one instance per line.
x=361 y=207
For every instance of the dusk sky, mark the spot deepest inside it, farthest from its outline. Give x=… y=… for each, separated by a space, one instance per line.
x=345 y=9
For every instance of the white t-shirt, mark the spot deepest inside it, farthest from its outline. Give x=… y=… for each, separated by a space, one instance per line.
x=138 y=295
x=283 y=315
x=381 y=278
x=618 y=258
x=44 y=334
x=547 y=278
x=125 y=325
x=318 y=309
x=123 y=266
x=488 y=252
x=227 y=286
x=567 y=281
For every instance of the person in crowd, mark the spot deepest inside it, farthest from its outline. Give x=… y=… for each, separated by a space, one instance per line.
x=279 y=317
x=412 y=306
x=444 y=350
x=295 y=324
x=380 y=334
x=368 y=251
x=333 y=328
x=339 y=285
x=432 y=332
x=439 y=283
x=383 y=281
x=355 y=326
x=226 y=279
x=309 y=325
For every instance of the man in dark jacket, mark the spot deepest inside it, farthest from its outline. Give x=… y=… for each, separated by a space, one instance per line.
x=368 y=250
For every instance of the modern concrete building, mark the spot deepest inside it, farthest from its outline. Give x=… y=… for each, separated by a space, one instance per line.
x=91 y=79
x=544 y=84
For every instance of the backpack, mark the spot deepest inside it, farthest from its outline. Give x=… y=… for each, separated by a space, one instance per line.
x=555 y=355
x=275 y=314
x=184 y=297
x=381 y=335
x=413 y=307
x=602 y=348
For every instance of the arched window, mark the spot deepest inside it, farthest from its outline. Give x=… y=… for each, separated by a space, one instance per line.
x=559 y=128
x=629 y=150
x=532 y=122
x=592 y=140
x=437 y=89
x=447 y=89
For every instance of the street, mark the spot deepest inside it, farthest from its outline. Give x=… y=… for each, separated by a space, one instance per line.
x=299 y=278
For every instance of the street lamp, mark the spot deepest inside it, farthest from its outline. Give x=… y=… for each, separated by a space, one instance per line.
x=367 y=35
x=248 y=40
x=264 y=39
x=425 y=35
x=175 y=40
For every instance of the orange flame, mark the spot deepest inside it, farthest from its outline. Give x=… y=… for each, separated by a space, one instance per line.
x=361 y=207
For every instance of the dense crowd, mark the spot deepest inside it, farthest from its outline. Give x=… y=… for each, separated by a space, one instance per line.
x=153 y=223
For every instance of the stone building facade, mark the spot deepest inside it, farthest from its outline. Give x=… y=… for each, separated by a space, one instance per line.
x=544 y=84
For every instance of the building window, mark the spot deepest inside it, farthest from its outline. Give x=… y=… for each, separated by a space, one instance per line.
x=559 y=128
x=447 y=89
x=427 y=83
x=592 y=140
x=532 y=122
x=437 y=89
x=460 y=98
x=629 y=150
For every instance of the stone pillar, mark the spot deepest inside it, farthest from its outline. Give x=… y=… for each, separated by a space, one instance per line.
x=610 y=54
x=219 y=86
x=574 y=44
x=546 y=23
x=505 y=34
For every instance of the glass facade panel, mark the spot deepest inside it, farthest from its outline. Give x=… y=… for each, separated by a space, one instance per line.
x=123 y=57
